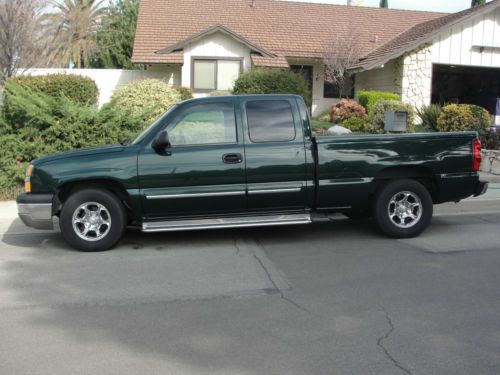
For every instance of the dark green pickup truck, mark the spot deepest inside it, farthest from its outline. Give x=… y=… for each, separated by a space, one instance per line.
x=247 y=161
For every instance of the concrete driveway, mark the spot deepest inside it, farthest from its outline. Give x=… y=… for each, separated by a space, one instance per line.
x=329 y=298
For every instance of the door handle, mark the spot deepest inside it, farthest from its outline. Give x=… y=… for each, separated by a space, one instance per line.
x=232 y=158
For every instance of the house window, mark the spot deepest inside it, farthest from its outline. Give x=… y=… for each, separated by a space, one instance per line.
x=333 y=91
x=215 y=74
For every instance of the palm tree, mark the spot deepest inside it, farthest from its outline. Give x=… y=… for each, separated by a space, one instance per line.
x=384 y=3
x=72 y=28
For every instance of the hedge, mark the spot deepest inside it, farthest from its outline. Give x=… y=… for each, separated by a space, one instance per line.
x=272 y=81
x=368 y=98
x=80 y=90
x=461 y=117
x=38 y=124
x=377 y=115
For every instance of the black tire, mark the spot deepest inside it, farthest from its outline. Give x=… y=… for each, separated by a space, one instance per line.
x=388 y=216
x=113 y=212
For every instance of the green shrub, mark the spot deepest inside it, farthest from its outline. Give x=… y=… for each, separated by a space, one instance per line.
x=429 y=116
x=456 y=117
x=377 y=115
x=271 y=81
x=323 y=116
x=38 y=124
x=346 y=109
x=185 y=92
x=80 y=90
x=147 y=97
x=368 y=98
x=219 y=93
x=482 y=119
x=359 y=125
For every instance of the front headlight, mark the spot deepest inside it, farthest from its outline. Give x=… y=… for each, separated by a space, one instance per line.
x=27 y=179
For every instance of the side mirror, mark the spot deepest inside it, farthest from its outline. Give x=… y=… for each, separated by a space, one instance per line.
x=161 y=142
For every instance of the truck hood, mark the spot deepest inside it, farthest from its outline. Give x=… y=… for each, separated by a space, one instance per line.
x=79 y=153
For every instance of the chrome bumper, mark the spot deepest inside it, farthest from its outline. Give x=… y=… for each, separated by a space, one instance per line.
x=35 y=210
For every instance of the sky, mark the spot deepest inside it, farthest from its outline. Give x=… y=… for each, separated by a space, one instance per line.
x=428 y=5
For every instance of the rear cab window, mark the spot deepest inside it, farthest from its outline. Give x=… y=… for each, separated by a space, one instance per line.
x=270 y=121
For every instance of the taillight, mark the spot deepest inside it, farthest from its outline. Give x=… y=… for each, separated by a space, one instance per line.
x=477 y=157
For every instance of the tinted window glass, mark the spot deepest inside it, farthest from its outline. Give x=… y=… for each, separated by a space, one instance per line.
x=270 y=121
x=204 y=124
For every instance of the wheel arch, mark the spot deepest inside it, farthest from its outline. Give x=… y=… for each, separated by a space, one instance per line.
x=68 y=188
x=422 y=174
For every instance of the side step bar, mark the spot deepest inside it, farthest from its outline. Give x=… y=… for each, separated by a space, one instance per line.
x=229 y=222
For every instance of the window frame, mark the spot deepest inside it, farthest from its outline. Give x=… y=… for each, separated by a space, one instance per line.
x=215 y=59
x=245 y=105
x=351 y=94
x=181 y=110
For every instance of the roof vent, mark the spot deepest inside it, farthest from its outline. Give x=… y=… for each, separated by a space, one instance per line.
x=253 y=3
x=358 y=3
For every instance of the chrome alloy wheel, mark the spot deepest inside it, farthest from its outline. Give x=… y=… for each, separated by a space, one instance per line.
x=91 y=221
x=405 y=209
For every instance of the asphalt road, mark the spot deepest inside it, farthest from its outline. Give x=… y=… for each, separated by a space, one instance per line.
x=330 y=298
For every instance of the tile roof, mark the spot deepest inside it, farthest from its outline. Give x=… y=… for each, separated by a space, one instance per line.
x=270 y=62
x=284 y=28
x=418 y=35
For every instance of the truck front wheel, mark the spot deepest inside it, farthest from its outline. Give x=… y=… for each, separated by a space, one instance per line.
x=92 y=220
x=403 y=208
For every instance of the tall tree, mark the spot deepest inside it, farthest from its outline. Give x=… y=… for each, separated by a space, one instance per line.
x=341 y=54
x=115 y=38
x=384 y=3
x=20 y=39
x=477 y=2
x=73 y=26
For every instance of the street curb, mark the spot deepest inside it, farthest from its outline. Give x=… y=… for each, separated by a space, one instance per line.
x=488 y=177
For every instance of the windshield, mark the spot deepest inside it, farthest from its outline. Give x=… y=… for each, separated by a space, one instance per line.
x=151 y=127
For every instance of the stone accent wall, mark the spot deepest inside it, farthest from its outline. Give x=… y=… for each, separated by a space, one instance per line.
x=491 y=162
x=416 y=77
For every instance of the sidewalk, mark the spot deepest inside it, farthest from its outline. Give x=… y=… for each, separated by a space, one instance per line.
x=493 y=178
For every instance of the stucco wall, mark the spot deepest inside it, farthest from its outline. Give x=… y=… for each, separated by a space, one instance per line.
x=387 y=78
x=215 y=45
x=108 y=80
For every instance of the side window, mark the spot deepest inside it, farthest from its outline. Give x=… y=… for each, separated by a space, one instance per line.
x=204 y=124
x=270 y=121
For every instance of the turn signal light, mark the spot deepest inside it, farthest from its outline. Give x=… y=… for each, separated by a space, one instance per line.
x=477 y=157
x=27 y=180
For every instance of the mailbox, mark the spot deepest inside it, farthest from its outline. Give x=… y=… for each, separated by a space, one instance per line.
x=396 y=121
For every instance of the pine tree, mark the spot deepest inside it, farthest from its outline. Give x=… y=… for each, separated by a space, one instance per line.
x=477 y=2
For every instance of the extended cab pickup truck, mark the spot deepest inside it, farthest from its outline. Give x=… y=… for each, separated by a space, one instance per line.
x=246 y=161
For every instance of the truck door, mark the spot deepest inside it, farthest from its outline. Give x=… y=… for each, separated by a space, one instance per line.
x=202 y=173
x=274 y=153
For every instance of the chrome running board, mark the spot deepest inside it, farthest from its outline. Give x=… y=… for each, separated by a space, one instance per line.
x=227 y=222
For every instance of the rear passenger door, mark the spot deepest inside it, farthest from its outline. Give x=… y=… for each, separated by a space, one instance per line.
x=274 y=154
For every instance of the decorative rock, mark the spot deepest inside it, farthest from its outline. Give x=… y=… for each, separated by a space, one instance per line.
x=338 y=130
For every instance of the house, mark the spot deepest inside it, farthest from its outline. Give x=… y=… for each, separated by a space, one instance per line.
x=426 y=57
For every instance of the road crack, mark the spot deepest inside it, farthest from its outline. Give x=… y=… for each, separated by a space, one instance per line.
x=280 y=292
x=380 y=343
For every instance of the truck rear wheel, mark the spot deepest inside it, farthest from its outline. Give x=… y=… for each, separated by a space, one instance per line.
x=403 y=208
x=92 y=220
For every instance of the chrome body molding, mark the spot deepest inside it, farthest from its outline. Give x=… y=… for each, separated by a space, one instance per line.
x=268 y=191
x=196 y=195
x=226 y=222
x=36 y=215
